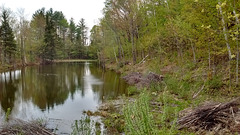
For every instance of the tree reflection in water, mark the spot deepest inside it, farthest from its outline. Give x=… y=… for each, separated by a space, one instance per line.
x=60 y=91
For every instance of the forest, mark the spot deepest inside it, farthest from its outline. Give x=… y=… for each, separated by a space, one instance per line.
x=193 y=35
x=46 y=37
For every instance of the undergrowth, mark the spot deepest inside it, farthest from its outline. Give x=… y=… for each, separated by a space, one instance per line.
x=183 y=86
x=138 y=119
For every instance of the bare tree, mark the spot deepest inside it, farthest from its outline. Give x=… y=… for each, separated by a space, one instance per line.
x=23 y=33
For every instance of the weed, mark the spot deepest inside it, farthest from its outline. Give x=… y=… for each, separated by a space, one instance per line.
x=7 y=114
x=215 y=83
x=178 y=87
x=82 y=127
x=170 y=110
x=132 y=90
x=138 y=119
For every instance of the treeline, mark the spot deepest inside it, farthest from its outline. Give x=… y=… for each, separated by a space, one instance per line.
x=47 y=36
x=200 y=33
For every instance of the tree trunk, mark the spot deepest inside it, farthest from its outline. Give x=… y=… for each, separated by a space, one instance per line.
x=209 y=57
x=1 y=61
x=115 y=55
x=193 y=51
x=133 y=43
x=123 y=55
x=226 y=40
x=23 y=51
x=237 y=59
x=158 y=40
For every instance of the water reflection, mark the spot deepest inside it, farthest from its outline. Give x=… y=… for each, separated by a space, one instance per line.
x=58 y=91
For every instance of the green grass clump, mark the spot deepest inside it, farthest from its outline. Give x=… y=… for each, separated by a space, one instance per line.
x=7 y=114
x=132 y=90
x=138 y=119
x=82 y=127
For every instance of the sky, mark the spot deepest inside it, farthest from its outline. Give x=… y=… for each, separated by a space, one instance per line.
x=90 y=10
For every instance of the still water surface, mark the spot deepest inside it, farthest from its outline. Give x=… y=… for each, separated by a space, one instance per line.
x=59 y=92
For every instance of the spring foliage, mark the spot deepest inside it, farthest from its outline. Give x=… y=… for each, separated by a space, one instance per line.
x=202 y=32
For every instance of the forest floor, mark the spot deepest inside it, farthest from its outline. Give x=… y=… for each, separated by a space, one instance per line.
x=175 y=94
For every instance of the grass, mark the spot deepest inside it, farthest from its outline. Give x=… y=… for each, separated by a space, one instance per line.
x=142 y=118
x=86 y=126
x=138 y=119
x=7 y=114
x=171 y=106
x=82 y=127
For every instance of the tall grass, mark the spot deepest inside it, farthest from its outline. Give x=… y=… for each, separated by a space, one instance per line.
x=82 y=127
x=86 y=126
x=138 y=119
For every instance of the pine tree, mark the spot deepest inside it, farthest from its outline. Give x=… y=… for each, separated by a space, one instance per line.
x=72 y=30
x=49 y=38
x=8 y=45
x=81 y=32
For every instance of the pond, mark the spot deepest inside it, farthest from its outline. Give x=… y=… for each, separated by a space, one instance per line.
x=59 y=92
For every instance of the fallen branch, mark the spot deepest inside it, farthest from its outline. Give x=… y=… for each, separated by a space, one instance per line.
x=143 y=59
x=211 y=116
x=195 y=95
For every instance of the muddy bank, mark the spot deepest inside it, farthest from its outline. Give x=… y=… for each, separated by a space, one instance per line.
x=111 y=113
x=5 y=68
x=112 y=110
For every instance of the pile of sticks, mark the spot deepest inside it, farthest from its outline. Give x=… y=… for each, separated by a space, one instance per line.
x=213 y=117
x=24 y=128
x=140 y=81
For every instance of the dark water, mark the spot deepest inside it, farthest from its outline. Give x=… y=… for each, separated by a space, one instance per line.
x=58 y=92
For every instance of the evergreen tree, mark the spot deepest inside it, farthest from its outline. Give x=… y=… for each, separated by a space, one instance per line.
x=49 y=37
x=8 y=45
x=61 y=26
x=72 y=30
x=38 y=24
x=81 y=32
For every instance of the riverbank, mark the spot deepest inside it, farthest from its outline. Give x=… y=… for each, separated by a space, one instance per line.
x=74 y=60
x=18 y=65
x=164 y=103
x=6 y=67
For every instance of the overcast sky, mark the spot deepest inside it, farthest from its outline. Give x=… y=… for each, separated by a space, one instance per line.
x=90 y=10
